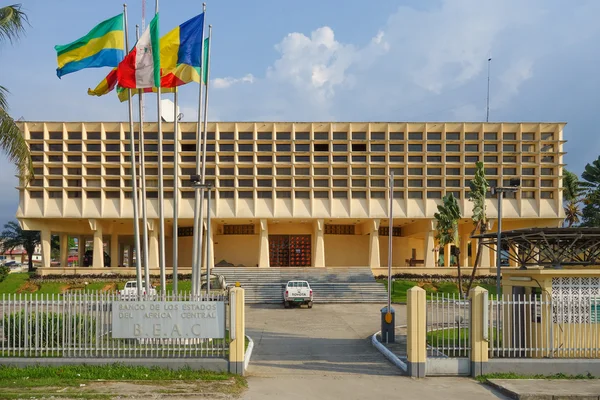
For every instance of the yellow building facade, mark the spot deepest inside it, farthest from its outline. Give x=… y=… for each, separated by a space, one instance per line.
x=289 y=194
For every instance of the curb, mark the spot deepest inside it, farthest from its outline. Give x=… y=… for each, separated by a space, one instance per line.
x=248 y=353
x=505 y=391
x=388 y=354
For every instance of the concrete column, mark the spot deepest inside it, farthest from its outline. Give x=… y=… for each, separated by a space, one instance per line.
x=64 y=250
x=484 y=258
x=237 y=345
x=374 y=256
x=80 y=250
x=447 y=255
x=416 y=333
x=122 y=255
x=513 y=253
x=152 y=247
x=429 y=257
x=130 y=256
x=114 y=250
x=45 y=238
x=263 y=255
x=464 y=250
x=493 y=255
x=319 y=253
x=211 y=246
x=479 y=346
x=98 y=258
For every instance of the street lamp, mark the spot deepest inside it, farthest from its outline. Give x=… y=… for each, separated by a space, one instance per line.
x=197 y=183
x=513 y=186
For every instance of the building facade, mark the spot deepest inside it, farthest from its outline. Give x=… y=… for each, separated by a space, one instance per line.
x=289 y=194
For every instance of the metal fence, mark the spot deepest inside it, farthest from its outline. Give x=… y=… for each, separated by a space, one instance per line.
x=541 y=326
x=447 y=322
x=80 y=325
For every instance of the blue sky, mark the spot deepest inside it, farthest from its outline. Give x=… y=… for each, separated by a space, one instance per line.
x=333 y=60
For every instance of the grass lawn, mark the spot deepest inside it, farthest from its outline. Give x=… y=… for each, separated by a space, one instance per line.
x=400 y=287
x=13 y=282
x=85 y=381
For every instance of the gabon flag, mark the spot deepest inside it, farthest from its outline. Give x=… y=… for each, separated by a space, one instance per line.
x=140 y=69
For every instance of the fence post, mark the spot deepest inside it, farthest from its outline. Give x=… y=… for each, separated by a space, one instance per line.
x=237 y=331
x=479 y=340
x=416 y=332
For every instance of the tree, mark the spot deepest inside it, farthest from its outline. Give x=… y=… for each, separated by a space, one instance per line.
x=13 y=236
x=447 y=219
x=12 y=142
x=479 y=188
x=591 y=191
x=572 y=191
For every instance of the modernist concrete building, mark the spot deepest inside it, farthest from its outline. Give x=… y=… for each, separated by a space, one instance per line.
x=290 y=194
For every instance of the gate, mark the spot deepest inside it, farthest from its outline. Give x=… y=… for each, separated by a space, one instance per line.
x=290 y=250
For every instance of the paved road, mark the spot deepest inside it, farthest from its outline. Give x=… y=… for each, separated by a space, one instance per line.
x=325 y=353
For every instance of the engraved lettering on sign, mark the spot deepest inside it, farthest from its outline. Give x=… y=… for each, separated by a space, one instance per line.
x=175 y=319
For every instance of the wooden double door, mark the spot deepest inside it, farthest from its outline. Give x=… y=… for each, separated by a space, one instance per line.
x=290 y=250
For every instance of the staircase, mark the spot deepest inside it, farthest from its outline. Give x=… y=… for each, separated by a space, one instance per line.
x=329 y=285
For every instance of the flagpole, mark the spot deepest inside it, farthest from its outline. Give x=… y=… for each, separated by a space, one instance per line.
x=161 y=195
x=204 y=159
x=143 y=182
x=199 y=200
x=136 y=218
x=175 y=196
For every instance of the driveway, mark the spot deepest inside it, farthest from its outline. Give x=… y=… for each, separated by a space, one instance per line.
x=326 y=353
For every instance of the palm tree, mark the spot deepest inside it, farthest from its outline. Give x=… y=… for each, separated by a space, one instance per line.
x=447 y=219
x=12 y=26
x=591 y=190
x=479 y=188
x=13 y=236
x=572 y=190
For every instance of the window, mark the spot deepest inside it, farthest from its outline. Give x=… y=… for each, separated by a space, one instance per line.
x=453 y=159
x=60 y=158
x=301 y=195
x=415 y=195
x=547 y=194
x=55 y=171
x=511 y=148
x=340 y=135
x=321 y=195
x=416 y=159
x=301 y=183
x=238 y=229
x=93 y=135
x=490 y=159
x=55 y=147
x=70 y=147
x=509 y=171
x=471 y=135
x=55 y=194
x=415 y=171
x=93 y=147
x=396 y=135
x=528 y=148
x=377 y=171
x=265 y=171
x=359 y=183
x=452 y=171
x=263 y=136
x=434 y=183
x=377 y=135
x=283 y=195
x=434 y=159
x=284 y=135
x=527 y=195
x=488 y=171
x=301 y=171
x=547 y=171
x=471 y=159
x=226 y=171
x=528 y=135
x=377 y=195
x=471 y=147
x=415 y=135
x=359 y=136
x=378 y=147
x=339 y=229
x=415 y=183
x=453 y=147
x=490 y=136
x=414 y=147
x=356 y=147
x=321 y=183
x=528 y=183
x=528 y=171
x=74 y=195
x=547 y=135
x=510 y=136
x=284 y=159
x=321 y=171
x=359 y=171
x=398 y=147
x=340 y=183
x=397 y=171
x=112 y=159
x=245 y=182
x=245 y=147
x=398 y=195
x=36 y=147
x=93 y=171
x=434 y=171
x=264 y=147
x=434 y=135
x=226 y=183
x=113 y=183
x=264 y=195
x=528 y=159
x=380 y=159
x=452 y=135
x=434 y=147
x=245 y=195
x=453 y=182
x=509 y=159
x=490 y=147
x=184 y=147
x=434 y=195
x=398 y=159
x=71 y=158
x=225 y=147
x=340 y=159
x=340 y=147
x=55 y=182
x=547 y=183
x=245 y=135
x=284 y=183
x=283 y=171
x=93 y=195
x=469 y=171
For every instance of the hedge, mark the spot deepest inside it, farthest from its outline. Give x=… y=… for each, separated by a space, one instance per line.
x=4 y=271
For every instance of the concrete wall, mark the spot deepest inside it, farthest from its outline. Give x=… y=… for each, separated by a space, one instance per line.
x=237 y=249
x=402 y=250
x=346 y=250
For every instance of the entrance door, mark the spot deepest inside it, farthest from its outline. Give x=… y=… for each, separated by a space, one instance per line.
x=289 y=250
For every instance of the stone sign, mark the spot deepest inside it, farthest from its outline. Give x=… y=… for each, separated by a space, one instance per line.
x=168 y=319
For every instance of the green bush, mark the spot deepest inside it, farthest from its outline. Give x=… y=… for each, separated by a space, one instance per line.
x=46 y=329
x=4 y=271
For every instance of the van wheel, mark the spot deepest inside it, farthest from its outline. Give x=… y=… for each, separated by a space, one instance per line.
x=310 y=304
x=286 y=304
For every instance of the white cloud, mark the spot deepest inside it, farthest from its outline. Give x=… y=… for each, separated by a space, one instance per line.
x=222 y=83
